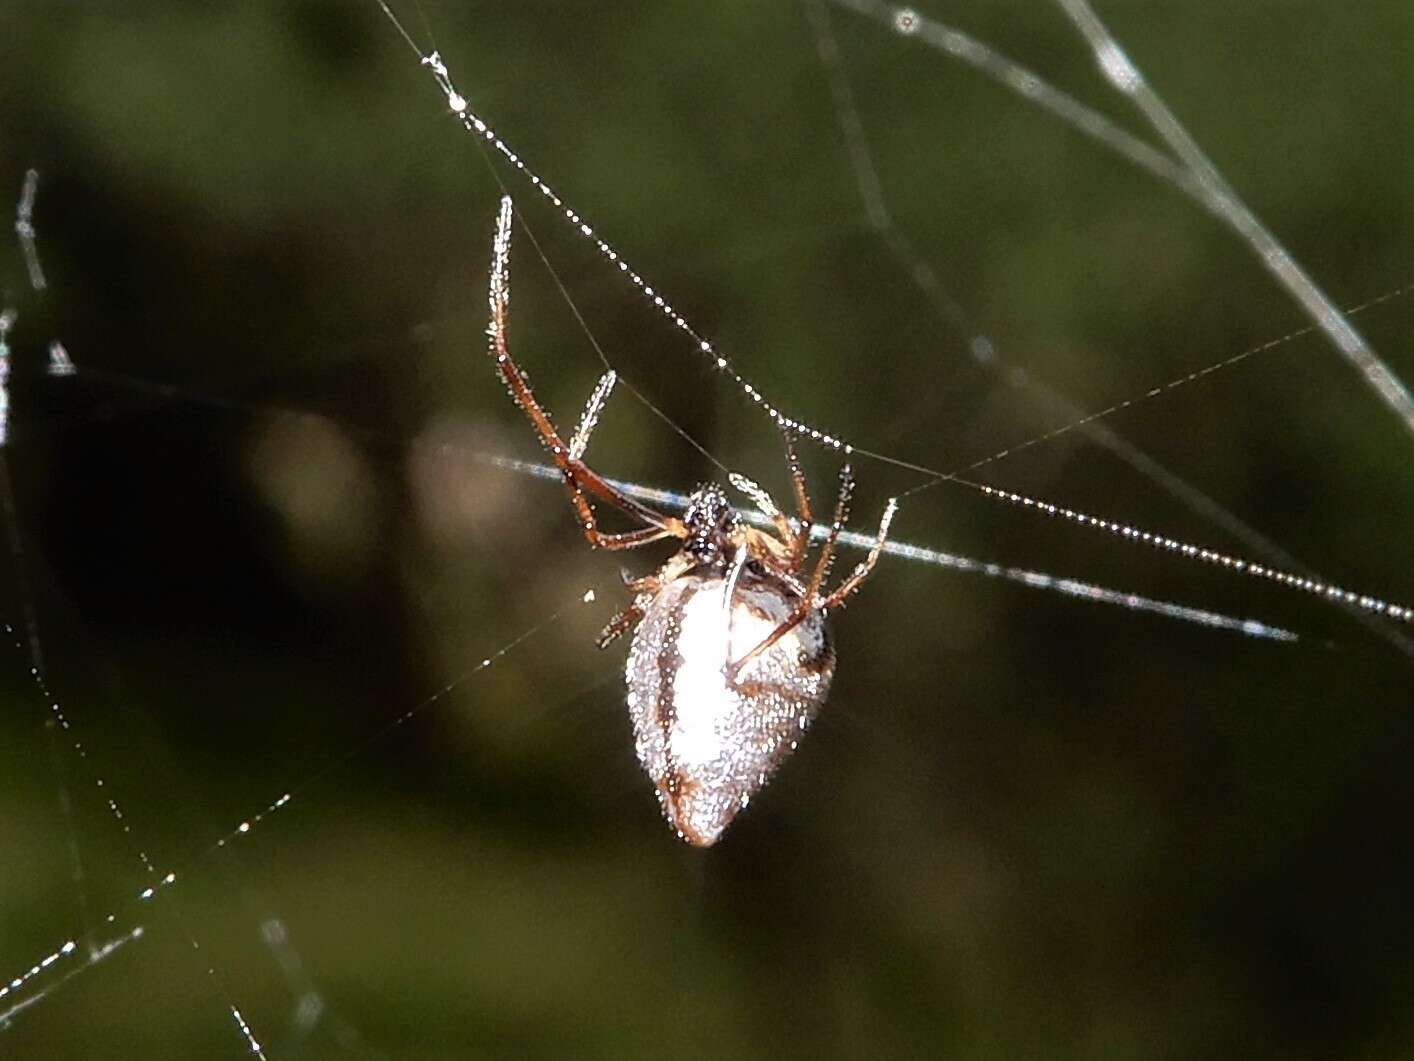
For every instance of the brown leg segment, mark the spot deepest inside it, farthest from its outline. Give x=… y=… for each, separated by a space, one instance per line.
x=800 y=541
x=619 y=625
x=827 y=551
x=578 y=476
x=810 y=602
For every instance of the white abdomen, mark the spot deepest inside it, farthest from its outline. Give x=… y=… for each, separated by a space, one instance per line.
x=709 y=743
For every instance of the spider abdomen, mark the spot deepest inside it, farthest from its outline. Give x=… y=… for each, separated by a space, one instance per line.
x=709 y=741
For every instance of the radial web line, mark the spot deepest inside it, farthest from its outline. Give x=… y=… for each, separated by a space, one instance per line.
x=1290 y=580
x=1297 y=580
x=985 y=354
x=1028 y=84
x=24 y=230
x=480 y=129
x=1089 y=121
x=71 y=837
x=982 y=348
x=67 y=961
x=1126 y=532
x=19 y=986
x=1163 y=389
x=1196 y=176
x=172 y=392
x=569 y=301
x=8 y=316
x=58 y=723
x=996 y=65
x=925 y=279
x=1364 y=602
x=939 y=558
x=94 y=957
x=1224 y=201
x=62 y=727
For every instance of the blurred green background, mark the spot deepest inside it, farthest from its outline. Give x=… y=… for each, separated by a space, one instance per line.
x=258 y=528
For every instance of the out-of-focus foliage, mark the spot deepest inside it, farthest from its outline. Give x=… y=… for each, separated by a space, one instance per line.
x=256 y=529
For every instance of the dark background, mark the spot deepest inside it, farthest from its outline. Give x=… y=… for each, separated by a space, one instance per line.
x=257 y=528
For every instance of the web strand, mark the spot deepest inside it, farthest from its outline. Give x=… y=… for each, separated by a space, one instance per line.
x=477 y=127
x=980 y=346
x=40 y=979
x=76 y=860
x=64 y=730
x=58 y=725
x=1299 y=581
x=8 y=316
x=1196 y=176
x=1226 y=204
x=17 y=991
x=1038 y=580
x=24 y=229
x=1026 y=83
x=1021 y=80
x=1123 y=531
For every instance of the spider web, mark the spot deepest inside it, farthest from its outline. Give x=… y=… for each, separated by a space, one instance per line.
x=1018 y=813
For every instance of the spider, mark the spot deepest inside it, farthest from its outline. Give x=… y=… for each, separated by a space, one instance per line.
x=731 y=659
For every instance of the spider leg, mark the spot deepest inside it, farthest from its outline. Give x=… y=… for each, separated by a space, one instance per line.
x=810 y=602
x=629 y=539
x=809 y=599
x=618 y=625
x=861 y=571
x=784 y=546
x=800 y=541
x=579 y=441
x=677 y=566
x=827 y=551
x=579 y=479
x=648 y=583
x=644 y=588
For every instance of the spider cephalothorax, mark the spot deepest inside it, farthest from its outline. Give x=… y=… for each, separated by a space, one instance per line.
x=731 y=658
x=711 y=523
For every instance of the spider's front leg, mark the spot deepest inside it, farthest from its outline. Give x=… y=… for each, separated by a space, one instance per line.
x=579 y=478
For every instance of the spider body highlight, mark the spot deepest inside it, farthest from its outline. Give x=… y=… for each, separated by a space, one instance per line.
x=731 y=659
x=708 y=738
